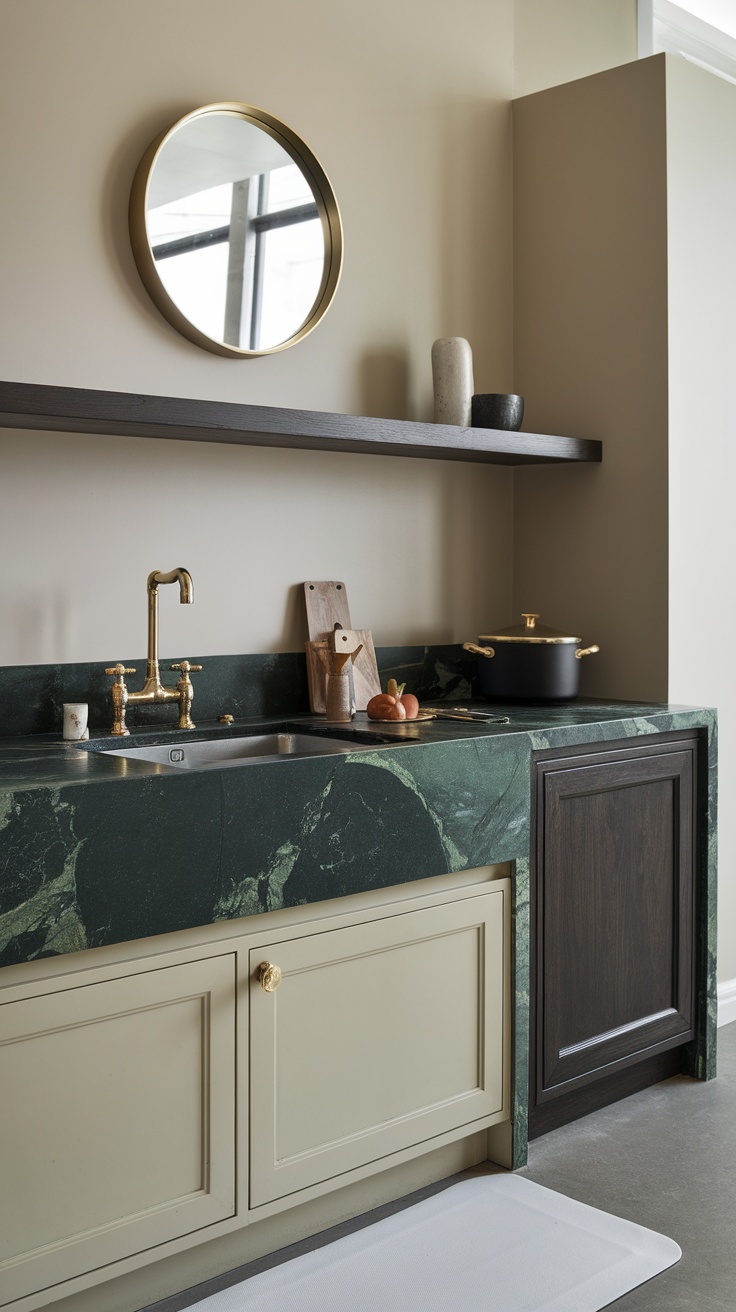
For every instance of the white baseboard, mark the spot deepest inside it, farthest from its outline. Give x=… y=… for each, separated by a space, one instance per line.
x=726 y=1002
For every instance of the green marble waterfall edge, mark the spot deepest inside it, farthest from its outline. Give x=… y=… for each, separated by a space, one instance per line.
x=521 y=1038
x=94 y=853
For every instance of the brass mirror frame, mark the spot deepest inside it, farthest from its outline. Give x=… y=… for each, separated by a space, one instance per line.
x=324 y=196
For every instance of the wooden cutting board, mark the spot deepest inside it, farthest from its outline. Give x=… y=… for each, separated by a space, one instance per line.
x=327 y=605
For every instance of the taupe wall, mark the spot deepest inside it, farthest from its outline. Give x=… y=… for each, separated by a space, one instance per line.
x=408 y=108
x=626 y=283
x=590 y=544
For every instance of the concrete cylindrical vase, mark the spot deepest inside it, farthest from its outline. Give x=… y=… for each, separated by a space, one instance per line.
x=452 y=375
x=337 y=697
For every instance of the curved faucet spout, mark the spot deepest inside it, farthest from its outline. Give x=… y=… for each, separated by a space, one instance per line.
x=186 y=597
x=180 y=576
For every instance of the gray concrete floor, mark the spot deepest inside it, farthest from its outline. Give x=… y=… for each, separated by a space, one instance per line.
x=665 y=1158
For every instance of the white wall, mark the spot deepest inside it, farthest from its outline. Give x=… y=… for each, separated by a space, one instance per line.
x=408 y=109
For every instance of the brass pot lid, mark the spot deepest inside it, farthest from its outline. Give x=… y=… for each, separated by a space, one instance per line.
x=529 y=631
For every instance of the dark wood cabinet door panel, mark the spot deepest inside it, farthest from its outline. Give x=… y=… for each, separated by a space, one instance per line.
x=613 y=913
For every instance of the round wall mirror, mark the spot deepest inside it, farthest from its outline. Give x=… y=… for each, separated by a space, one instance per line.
x=236 y=231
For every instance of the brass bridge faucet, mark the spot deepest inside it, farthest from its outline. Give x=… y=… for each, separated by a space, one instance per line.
x=154 y=690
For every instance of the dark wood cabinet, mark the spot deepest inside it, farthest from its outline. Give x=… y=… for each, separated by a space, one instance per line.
x=613 y=922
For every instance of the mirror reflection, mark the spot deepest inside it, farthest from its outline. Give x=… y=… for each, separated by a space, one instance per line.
x=242 y=242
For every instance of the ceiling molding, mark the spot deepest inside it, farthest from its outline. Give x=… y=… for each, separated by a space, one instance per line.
x=663 y=26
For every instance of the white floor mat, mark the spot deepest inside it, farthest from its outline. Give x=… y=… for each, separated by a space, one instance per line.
x=491 y=1244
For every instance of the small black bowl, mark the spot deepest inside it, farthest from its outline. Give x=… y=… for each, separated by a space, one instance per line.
x=497 y=410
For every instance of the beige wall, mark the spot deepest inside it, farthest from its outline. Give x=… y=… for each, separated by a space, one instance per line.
x=558 y=40
x=701 y=145
x=408 y=108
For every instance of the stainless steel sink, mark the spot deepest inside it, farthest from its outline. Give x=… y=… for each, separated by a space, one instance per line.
x=209 y=752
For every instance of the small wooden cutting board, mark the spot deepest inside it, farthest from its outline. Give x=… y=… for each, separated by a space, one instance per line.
x=365 y=670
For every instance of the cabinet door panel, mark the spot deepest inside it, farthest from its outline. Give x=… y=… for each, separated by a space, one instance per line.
x=614 y=912
x=117 y=1125
x=380 y=1036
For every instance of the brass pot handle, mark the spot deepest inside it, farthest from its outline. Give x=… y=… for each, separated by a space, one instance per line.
x=586 y=651
x=479 y=651
x=269 y=976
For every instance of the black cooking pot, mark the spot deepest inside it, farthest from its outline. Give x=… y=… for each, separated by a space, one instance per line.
x=529 y=662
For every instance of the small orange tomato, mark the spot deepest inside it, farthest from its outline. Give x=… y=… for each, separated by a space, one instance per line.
x=378 y=707
x=385 y=707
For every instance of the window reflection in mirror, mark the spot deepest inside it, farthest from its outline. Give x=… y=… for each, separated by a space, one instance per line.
x=236 y=234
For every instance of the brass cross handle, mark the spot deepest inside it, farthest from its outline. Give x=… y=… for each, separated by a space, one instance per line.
x=119 y=697
x=185 y=667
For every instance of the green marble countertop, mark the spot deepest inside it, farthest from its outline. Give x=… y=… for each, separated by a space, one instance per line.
x=46 y=761
x=97 y=850
x=158 y=849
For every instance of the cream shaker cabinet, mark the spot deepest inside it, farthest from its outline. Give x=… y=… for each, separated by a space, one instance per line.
x=117 y=1130
x=153 y=1102
x=379 y=1038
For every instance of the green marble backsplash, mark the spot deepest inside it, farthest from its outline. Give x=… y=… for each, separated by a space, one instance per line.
x=32 y=696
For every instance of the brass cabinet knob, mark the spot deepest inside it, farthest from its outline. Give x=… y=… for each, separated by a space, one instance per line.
x=269 y=976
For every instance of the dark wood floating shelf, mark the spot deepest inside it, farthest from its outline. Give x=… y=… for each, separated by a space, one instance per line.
x=126 y=414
